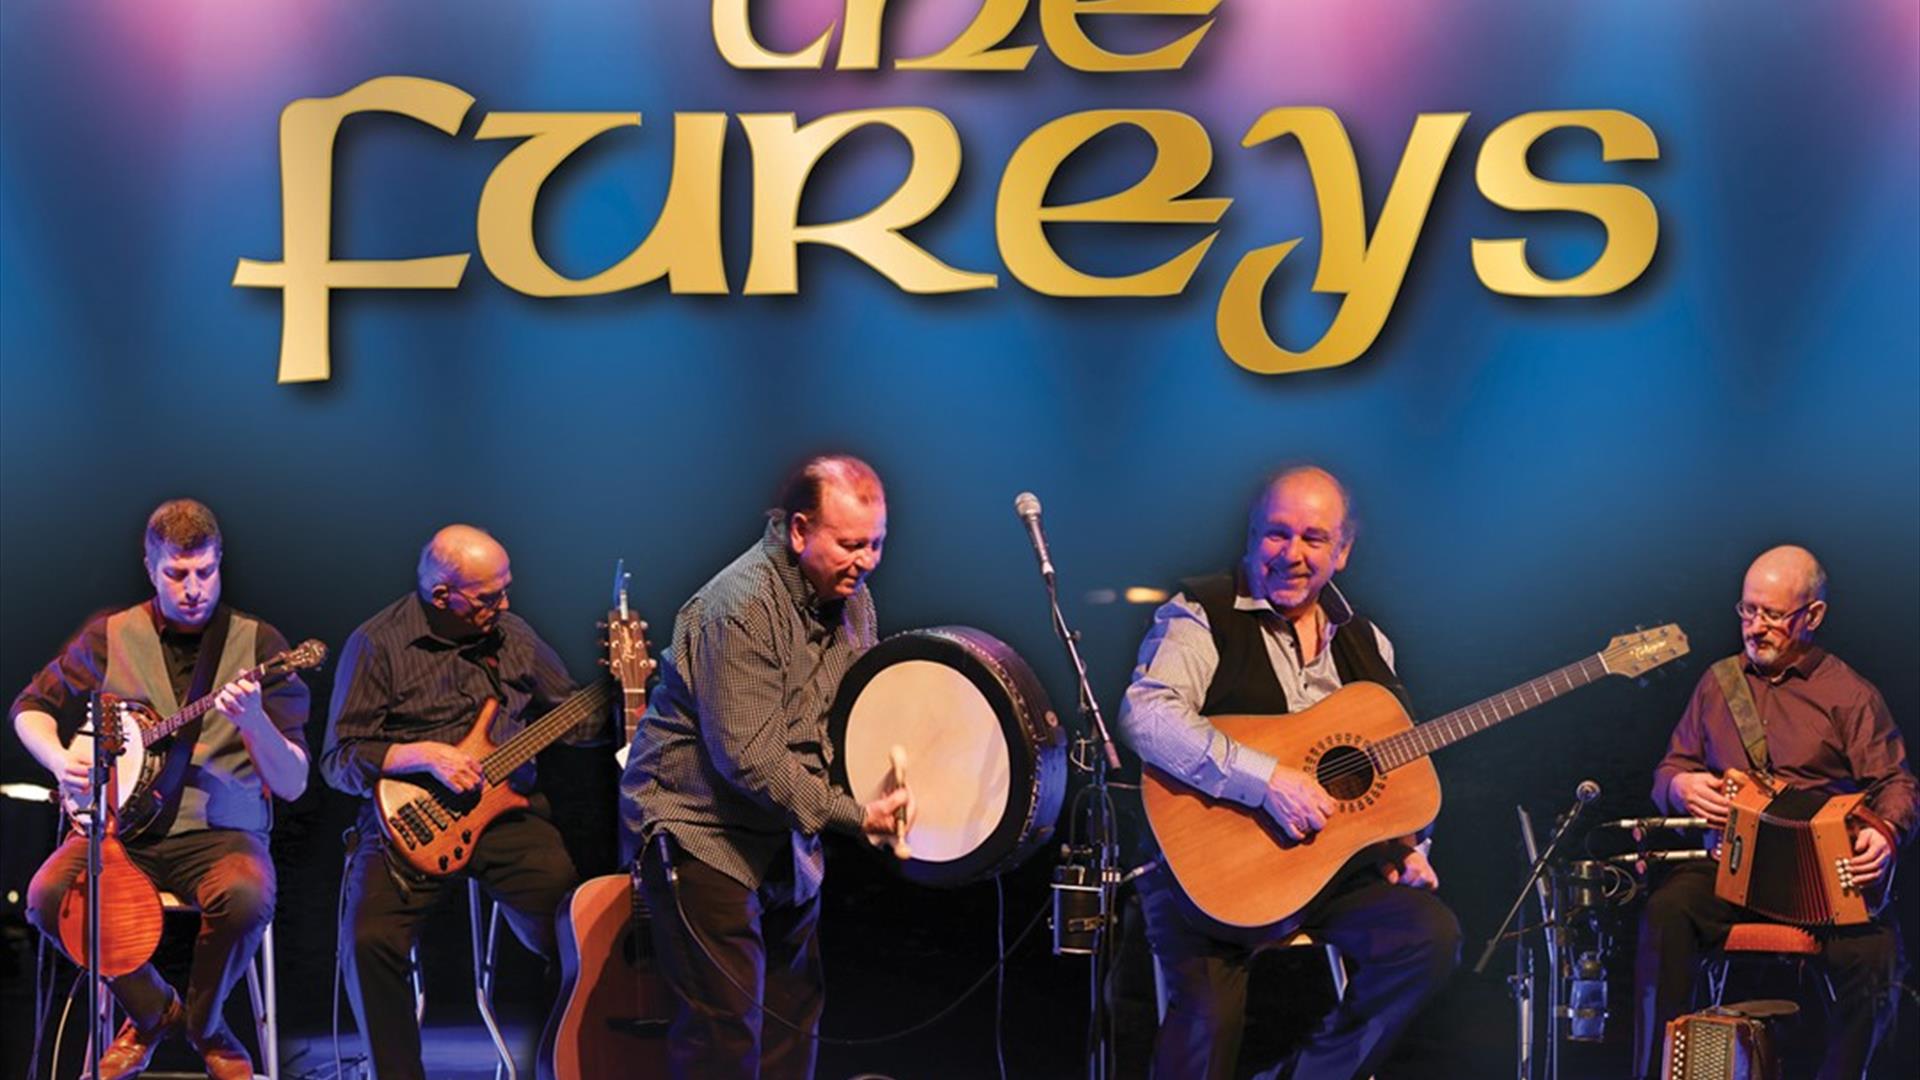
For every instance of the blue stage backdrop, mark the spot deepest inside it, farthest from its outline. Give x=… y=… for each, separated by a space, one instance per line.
x=1533 y=475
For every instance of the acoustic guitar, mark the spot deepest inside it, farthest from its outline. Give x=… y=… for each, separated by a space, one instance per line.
x=433 y=828
x=1236 y=864
x=612 y=1013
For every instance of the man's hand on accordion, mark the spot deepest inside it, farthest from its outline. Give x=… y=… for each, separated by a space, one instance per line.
x=1704 y=795
x=1873 y=852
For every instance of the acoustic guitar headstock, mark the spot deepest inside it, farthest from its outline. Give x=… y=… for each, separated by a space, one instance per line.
x=626 y=641
x=1633 y=655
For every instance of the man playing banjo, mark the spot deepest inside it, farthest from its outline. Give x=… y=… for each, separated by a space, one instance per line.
x=726 y=791
x=210 y=843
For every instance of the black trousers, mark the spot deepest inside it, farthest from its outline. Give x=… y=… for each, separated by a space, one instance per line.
x=522 y=863
x=1403 y=944
x=1683 y=919
x=744 y=965
x=226 y=873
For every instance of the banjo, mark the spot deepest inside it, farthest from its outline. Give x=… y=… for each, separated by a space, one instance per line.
x=136 y=795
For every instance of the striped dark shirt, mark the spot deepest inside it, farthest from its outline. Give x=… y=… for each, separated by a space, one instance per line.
x=399 y=682
x=732 y=759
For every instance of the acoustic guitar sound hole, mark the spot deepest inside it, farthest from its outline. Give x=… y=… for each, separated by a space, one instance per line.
x=1345 y=772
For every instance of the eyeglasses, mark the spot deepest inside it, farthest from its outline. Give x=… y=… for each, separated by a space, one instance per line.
x=481 y=600
x=1756 y=613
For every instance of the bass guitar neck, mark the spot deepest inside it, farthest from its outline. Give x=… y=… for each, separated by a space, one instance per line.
x=432 y=828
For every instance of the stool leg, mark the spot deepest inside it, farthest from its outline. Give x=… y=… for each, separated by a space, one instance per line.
x=483 y=952
x=262 y=988
x=1339 y=973
x=419 y=985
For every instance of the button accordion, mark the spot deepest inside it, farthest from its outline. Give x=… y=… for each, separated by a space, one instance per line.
x=1785 y=853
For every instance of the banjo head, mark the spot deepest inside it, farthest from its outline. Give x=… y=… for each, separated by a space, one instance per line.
x=132 y=766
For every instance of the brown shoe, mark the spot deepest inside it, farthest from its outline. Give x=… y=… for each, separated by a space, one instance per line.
x=132 y=1050
x=226 y=1059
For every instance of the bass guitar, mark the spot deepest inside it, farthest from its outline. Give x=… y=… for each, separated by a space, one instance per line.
x=433 y=828
x=138 y=795
x=612 y=1013
x=1236 y=864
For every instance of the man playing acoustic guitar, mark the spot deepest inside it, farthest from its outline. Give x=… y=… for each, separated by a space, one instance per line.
x=1275 y=638
x=1822 y=727
x=209 y=843
x=412 y=680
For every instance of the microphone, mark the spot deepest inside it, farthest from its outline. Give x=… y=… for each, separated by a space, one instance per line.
x=1656 y=823
x=1027 y=505
x=1586 y=792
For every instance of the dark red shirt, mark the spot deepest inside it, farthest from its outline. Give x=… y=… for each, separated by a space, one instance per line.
x=1827 y=729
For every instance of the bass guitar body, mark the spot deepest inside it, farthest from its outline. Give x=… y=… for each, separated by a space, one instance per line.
x=613 y=1010
x=433 y=828
x=1237 y=865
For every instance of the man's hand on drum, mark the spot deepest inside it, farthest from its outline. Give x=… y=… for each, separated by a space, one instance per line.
x=880 y=826
x=1297 y=803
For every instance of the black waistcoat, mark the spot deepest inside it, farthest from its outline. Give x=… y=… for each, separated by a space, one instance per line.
x=1244 y=682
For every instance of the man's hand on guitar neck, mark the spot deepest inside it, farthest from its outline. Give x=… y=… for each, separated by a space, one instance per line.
x=1704 y=795
x=1297 y=802
x=450 y=765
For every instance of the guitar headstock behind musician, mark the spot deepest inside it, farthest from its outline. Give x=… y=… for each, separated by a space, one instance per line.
x=1825 y=728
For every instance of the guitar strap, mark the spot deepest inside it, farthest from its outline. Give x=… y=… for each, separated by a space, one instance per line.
x=1731 y=675
x=213 y=643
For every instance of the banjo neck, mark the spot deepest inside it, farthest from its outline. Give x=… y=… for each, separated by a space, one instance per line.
x=308 y=654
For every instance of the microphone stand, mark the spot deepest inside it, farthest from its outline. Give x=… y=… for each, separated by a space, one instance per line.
x=1550 y=925
x=1095 y=753
x=98 y=778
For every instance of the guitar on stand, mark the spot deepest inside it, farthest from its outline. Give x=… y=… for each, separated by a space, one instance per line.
x=612 y=1013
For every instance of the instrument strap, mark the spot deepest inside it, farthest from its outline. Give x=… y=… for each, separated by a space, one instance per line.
x=1731 y=675
x=206 y=667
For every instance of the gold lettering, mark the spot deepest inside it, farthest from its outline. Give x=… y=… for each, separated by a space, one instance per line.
x=1632 y=223
x=860 y=45
x=1182 y=156
x=684 y=243
x=307 y=272
x=733 y=34
x=975 y=49
x=1367 y=273
x=1060 y=22
x=783 y=158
